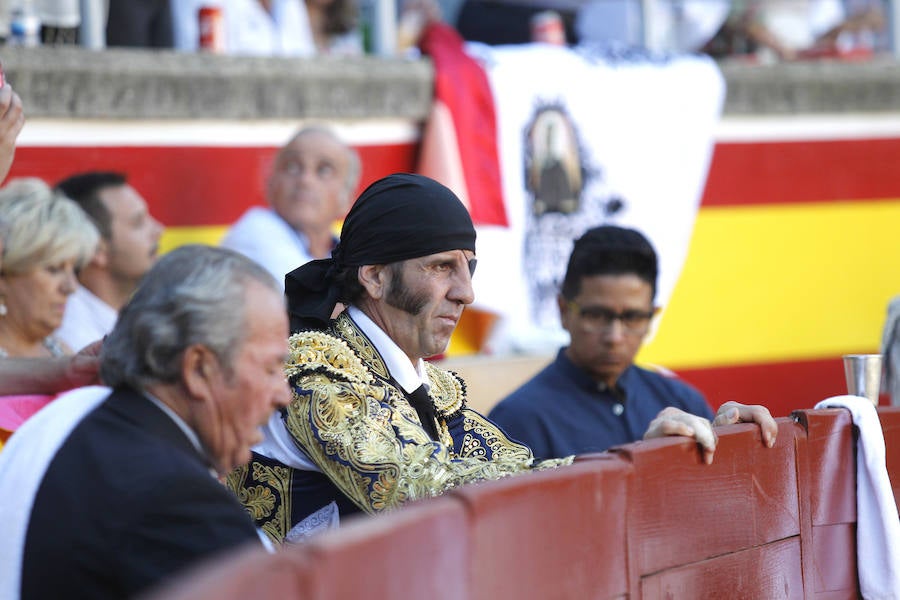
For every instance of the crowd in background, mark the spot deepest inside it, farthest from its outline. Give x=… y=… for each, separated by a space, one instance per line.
x=761 y=30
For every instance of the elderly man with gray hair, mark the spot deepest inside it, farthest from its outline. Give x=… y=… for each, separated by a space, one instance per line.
x=116 y=489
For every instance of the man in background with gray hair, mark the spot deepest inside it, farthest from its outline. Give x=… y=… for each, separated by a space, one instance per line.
x=114 y=490
x=310 y=187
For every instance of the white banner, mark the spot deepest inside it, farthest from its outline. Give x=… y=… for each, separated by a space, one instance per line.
x=588 y=137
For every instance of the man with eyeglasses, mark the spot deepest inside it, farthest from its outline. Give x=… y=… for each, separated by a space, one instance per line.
x=593 y=396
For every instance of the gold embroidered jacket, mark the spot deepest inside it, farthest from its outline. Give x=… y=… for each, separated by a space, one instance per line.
x=356 y=425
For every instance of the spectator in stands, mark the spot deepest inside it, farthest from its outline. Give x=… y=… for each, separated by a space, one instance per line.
x=30 y=375
x=334 y=26
x=140 y=23
x=670 y=25
x=252 y=27
x=59 y=20
x=312 y=181
x=372 y=425
x=593 y=396
x=116 y=490
x=12 y=119
x=499 y=22
x=49 y=237
x=129 y=241
x=797 y=29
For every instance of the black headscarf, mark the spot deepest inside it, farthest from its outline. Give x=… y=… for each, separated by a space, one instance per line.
x=399 y=217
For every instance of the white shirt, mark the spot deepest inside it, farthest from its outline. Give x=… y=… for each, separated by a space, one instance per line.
x=266 y=238
x=398 y=365
x=798 y=23
x=249 y=29
x=87 y=319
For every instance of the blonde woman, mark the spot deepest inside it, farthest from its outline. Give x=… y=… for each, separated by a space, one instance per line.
x=47 y=239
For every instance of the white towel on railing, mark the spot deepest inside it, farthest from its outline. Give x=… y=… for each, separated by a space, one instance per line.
x=877 y=523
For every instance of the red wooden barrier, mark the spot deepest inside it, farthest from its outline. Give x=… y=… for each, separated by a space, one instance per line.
x=647 y=520
x=832 y=499
x=249 y=572
x=555 y=534
x=418 y=552
x=694 y=527
x=890 y=425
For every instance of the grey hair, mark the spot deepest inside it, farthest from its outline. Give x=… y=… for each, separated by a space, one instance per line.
x=192 y=295
x=43 y=227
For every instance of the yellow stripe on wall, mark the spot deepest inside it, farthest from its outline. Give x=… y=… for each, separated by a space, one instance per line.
x=770 y=283
x=203 y=234
x=179 y=236
x=761 y=284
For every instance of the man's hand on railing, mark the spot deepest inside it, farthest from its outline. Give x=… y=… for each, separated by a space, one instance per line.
x=734 y=412
x=674 y=421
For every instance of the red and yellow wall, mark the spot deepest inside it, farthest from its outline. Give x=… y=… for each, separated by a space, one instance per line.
x=794 y=257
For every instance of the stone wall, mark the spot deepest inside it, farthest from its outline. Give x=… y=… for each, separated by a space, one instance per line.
x=72 y=82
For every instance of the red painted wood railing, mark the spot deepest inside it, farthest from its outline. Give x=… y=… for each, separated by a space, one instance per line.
x=645 y=520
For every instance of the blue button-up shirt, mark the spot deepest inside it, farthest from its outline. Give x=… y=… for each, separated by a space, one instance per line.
x=563 y=411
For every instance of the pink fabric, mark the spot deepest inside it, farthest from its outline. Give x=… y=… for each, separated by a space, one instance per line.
x=15 y=410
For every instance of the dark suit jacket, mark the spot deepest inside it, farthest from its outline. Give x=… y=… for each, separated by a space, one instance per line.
x=125 y=502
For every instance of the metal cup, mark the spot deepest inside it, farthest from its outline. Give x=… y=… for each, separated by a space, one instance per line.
x=863 y=375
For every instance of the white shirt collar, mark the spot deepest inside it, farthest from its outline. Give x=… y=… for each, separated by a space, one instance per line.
x=406 y=374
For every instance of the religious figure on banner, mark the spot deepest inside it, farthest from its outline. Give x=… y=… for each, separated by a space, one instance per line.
x=558 y=172
x=554 y=173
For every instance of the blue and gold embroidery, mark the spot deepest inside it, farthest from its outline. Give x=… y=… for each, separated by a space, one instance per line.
x=349 y=418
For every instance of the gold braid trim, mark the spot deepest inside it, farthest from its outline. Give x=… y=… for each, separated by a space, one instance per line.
x=347 y=329
x=268 y=504
x=447 y=390
x=362 y=433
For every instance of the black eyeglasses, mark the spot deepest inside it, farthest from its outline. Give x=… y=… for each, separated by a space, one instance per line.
x=599 y=318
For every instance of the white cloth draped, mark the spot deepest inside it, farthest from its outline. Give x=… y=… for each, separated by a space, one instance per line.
x=23 y=462
x=877 y=523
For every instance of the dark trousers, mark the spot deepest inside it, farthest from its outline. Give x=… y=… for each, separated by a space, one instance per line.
x=139 y=23
x=497 y=23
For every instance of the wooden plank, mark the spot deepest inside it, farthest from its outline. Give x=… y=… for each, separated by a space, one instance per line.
x=832 y=465
x=551 y=534
x=771 y=571
x=408 y=553
x=682 y=511
x=890 y=425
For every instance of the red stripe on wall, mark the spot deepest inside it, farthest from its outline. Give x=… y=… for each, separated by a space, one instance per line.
x=802 y=171
x=192 y=185
x=782 y=387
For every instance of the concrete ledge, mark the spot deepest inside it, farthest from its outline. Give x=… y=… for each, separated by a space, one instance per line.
x=812 y=87
x=70 y=82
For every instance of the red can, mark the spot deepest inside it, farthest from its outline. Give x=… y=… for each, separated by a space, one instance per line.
x=211 y=24
x=547 y=27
